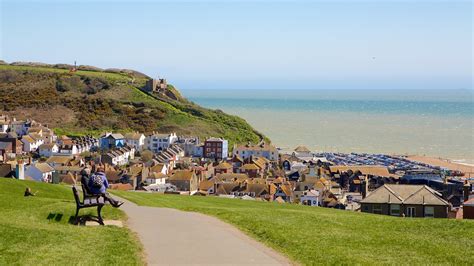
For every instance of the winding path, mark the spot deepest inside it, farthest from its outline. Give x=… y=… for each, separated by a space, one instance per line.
x=173 y=237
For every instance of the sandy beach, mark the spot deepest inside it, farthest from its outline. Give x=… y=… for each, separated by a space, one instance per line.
x=465 y=168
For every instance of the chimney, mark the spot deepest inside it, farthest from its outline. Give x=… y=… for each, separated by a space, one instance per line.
x=466 y=190
x=20 y=170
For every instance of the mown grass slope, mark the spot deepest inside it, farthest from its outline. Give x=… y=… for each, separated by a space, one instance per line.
x=36 y=230
x=312 y=235
x=90 y=102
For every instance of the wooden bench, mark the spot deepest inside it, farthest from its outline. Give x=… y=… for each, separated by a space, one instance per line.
x=89 y=201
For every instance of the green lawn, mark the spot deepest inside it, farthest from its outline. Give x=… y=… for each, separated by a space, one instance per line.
x=36 y=230
x=312 y=235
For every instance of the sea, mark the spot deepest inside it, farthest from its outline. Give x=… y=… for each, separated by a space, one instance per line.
x=436 y=123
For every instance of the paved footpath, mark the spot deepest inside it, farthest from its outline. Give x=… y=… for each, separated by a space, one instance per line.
x=173 y=237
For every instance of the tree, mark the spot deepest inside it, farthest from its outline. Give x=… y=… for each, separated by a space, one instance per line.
x=147 y=155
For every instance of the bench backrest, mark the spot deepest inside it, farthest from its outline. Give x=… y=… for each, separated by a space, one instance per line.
x=76 y=195
x=85 y=192
x=85 y=184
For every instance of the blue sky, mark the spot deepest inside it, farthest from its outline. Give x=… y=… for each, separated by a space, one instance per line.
x=253 y=44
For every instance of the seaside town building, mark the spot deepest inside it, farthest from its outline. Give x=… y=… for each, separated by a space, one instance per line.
x=190 y=145
x=157 y=142
x=40 y=172
x=184 y=180
x=262 y=149
x=48 y=150
x=31 y=142
x=135 y=140
x=111 y=141
x=406 y=201
x=119 y=156
x=215 y=148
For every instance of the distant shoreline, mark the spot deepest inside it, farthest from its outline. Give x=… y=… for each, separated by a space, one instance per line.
x=432 y=123
x=466 y=168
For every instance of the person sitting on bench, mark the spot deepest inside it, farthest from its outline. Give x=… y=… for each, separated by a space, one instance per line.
x=98 y=184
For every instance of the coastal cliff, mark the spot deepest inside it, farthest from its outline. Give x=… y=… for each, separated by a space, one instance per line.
x=90 y=100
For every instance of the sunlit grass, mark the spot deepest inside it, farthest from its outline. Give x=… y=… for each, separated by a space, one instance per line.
x=314 y=235
x=36 y=230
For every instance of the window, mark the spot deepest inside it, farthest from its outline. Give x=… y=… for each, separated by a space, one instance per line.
x=377 y=208
x=395 y=209
x=410 y=212
x=429 y=212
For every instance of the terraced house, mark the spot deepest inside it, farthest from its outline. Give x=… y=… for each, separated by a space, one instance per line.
x=262 y=149
x=157 y=142
x=215 y=148
x=119 y=156
x=136 y=140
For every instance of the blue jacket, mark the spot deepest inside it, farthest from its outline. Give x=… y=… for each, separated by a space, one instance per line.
x=96 y=190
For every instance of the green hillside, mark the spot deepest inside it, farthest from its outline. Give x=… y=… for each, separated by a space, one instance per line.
x=314 y=235
x=36 y=230
x=90 y=102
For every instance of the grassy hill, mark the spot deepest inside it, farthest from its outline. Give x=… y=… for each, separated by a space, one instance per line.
x=311 y=235
x=36 y=230
x=92 y=101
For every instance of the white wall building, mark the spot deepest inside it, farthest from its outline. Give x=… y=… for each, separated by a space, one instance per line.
x=48 y=150
x=135 y=140
x=260 y=150
x=4 y=126
x=31 y=142
x=40 y=172
x=119 y=156
x=158 y=142
x=68 y=149
x=310 y=198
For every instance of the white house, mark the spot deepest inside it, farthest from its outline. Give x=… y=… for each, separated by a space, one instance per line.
x=40 y=172
x=48 y=150
x=46 y=133
x=119 y=156
x=136 y=140
x=310 y=198
x=160 y=168
x=262 y=149
x=156 y=179
x=68 y=149
x=31 y=142
x=4 y=124
x=158 y=142
x=84 y=143
x=298 y=166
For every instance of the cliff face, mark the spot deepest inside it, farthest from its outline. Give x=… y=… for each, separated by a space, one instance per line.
x=92 y=100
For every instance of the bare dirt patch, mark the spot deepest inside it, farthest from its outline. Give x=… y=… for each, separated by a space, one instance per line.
x=53 y=116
